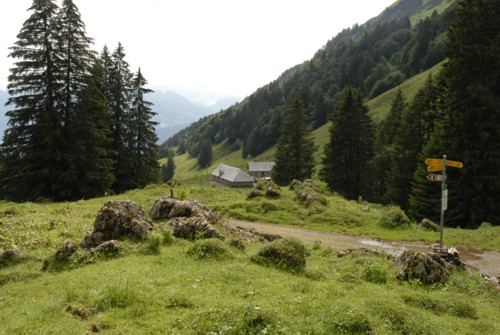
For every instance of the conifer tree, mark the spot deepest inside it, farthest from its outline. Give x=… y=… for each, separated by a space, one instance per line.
x=295 y=148
x=205 y=157
x=142 y=137
x=119 y=82
x=384 y=145
x=168 y=170
x=32 y=146
x=473 y=107
x=417 y=123
x=350 y=149
x=91 y=140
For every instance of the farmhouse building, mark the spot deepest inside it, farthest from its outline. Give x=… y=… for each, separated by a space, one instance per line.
x=231 y=176
x=260 y=169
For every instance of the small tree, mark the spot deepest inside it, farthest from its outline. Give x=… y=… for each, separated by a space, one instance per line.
x=168 y=170
x=205 y=157
x=295 y=148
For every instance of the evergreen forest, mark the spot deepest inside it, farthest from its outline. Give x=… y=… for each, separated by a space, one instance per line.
x=80 y=125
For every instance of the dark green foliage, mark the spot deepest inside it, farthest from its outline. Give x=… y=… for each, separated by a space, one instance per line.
x=473 y=107
x=350 y=148
x=168 y=170
x=384 y=146
x=141 y=135
x=76 y=128
x=295 y=148
x=393 y=218
x=417 y=123
x=205 y=156
x=287 y=254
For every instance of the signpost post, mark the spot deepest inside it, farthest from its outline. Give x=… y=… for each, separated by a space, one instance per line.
x=435 y=165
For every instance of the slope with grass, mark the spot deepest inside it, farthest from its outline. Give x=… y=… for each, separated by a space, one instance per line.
x=210 y=287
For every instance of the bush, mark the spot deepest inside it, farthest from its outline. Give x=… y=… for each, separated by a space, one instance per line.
x=376 y=272
x=168 y=237
x=212 y=249
x=348 y=321
x=429 y=225
x=287 y=254
x=153 y=244
x=394 y=218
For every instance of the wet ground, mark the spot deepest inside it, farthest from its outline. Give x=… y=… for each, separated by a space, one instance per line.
x=487 y=263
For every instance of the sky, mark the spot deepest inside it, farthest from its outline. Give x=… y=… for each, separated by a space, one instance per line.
x=205 y=49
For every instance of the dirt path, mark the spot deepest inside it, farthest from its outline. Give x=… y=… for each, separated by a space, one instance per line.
x=487 y=263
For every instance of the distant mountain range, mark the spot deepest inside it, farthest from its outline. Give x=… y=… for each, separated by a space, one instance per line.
x=175 y=112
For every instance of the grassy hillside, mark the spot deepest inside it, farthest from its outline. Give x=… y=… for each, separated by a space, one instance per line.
x=187 y=170
x=175 y=290
x=380 y=106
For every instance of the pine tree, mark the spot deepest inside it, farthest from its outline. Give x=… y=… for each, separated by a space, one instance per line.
x=91 y=140
x=350 y=149
x=295 y=148
x=473 y=107
x=118 y=84
x=168 y=170
x=205 y=157
x=384 y=145
x=417 y=123
x=76 y=58
x=32 y=146
x=142 y=137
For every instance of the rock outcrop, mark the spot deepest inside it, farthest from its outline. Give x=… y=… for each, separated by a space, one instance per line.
x=188 y=219
x=429 y=269
x=118 y=219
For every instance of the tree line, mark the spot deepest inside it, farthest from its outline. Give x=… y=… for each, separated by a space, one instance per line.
x=456 y=113
x=79 y=124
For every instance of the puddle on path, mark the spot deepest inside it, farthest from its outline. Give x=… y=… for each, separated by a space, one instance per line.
x=487 y=263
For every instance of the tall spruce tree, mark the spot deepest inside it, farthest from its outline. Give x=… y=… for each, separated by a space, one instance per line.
x=91 y=140
x=417 y=123
x=168 y=170
x=142 y=137
x=205 y=157
x=295 y=148
x=118 y=86
x=76 y=58
x=350 y=149
x=32 y=143
x=473 y=80
x=384 y=146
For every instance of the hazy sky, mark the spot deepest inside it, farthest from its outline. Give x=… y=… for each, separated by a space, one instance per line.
x=205 y=49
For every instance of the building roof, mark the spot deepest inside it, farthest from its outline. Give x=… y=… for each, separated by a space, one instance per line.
x=260 y=166
x=231 y=174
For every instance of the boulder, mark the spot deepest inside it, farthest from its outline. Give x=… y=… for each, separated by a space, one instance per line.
x=168 y=208
x=429 y=269
x=67 y=249
x=8 y=255
x=118 y=219
x=192 y=228
x=188 y=219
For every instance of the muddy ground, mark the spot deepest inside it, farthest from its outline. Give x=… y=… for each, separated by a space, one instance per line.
x=487 y=263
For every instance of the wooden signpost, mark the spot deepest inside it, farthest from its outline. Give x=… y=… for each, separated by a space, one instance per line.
x=436 y=165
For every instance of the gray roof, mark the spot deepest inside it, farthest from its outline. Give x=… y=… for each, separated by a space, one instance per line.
x=260 y=166
x=231 y=174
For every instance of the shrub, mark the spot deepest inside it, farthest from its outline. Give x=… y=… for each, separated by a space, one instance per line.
x=287 y=254
x=153 y=244
x=429 y=225
x=376 y=272
x=212 y=249
x=394 y=218
x=168 y=237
